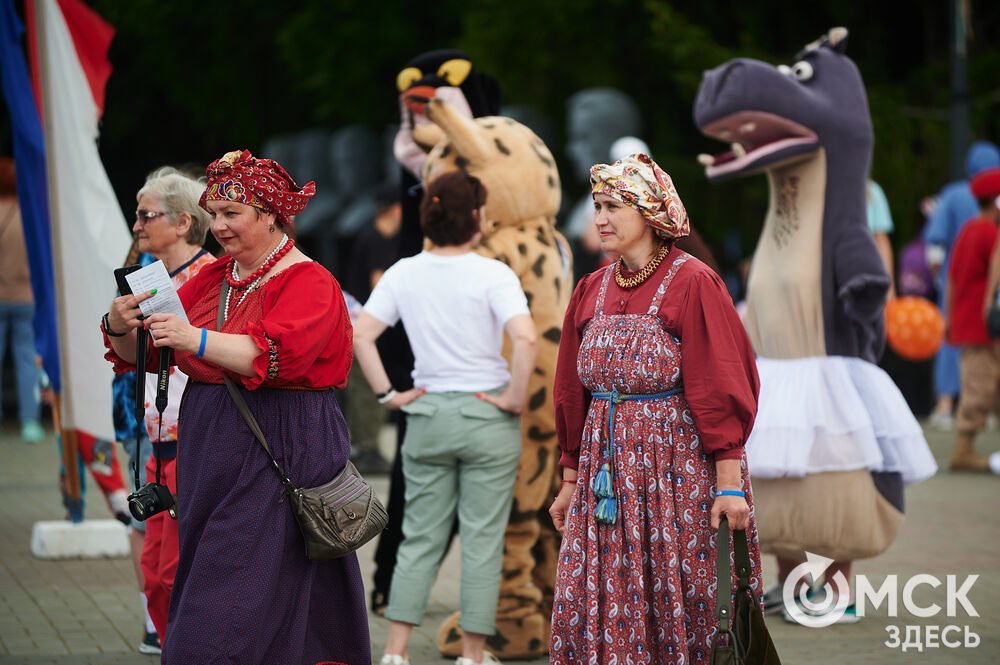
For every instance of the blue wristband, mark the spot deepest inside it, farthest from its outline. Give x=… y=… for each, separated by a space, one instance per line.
x=201 y=349
x=730 y=493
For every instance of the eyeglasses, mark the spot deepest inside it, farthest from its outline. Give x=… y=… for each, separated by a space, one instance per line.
x=144 y=216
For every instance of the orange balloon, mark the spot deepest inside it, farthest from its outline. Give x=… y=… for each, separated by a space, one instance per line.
x=914 y=327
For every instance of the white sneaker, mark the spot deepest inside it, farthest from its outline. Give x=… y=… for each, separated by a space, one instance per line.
x=488 y=659
x=941 y=421
x=995 y=463
x=394 y=660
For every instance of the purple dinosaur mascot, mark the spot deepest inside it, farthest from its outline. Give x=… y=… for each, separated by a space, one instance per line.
x=834 y=441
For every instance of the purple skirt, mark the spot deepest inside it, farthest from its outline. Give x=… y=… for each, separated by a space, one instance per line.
x=244 y=591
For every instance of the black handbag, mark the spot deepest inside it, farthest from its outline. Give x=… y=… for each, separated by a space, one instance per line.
x=335 y=518
x=747 y=639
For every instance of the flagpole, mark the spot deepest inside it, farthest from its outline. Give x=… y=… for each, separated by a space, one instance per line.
x=67 y=435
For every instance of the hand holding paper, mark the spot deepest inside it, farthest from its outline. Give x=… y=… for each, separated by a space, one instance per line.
x=164 y=300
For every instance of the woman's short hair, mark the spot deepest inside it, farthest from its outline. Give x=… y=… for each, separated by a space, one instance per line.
x=179 y=192
x=448 y=212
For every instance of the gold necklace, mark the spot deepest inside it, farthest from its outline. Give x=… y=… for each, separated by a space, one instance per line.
x=642 y=275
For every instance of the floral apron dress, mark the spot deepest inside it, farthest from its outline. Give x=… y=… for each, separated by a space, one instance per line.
x=641 y=589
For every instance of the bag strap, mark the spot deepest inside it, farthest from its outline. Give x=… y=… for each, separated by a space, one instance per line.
x=244 y=408
x=724 y=577
x=741 y=554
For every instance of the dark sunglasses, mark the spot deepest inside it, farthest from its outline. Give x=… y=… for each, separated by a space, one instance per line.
x=143 y=216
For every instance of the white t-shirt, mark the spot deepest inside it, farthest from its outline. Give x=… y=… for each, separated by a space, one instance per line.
x=454 y=309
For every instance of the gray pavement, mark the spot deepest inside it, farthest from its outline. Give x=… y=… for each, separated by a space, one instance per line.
x=87 y=612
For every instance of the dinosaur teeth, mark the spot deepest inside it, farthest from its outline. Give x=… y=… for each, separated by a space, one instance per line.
x=748 y=127
x=705 y=159
x=738 y=149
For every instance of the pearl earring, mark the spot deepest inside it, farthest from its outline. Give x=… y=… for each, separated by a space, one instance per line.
x=271 y=229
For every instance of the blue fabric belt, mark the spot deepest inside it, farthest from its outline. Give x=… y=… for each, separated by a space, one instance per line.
x=603 y=483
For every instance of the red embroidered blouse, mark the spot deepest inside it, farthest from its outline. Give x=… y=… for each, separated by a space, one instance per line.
x=718 y=368
x=298 y=319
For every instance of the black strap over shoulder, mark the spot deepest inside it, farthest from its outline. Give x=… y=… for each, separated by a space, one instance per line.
x=241 y=403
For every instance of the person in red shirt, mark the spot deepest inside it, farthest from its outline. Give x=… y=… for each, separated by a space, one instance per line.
x=244 y=591
x=965 y=293
x=655 y=394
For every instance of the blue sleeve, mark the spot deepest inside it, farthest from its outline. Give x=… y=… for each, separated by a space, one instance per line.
x=879 y=217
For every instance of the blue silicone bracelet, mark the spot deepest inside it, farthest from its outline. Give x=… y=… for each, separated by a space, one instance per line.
x=730 y=493
x=201 y=349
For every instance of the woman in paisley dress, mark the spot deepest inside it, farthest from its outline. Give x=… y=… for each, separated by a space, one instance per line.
x=655 y=394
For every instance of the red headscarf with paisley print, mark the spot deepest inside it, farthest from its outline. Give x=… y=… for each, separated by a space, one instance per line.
x=261 y=183
x=638 y=182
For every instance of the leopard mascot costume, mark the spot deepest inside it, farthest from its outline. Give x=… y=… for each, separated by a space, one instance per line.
x=523 y=195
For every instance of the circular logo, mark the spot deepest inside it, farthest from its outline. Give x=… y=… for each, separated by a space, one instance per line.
x=805 y=611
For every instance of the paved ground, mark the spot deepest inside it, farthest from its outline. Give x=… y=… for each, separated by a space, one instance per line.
x=88 y=613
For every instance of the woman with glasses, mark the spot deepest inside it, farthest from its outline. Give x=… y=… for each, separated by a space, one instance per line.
x=171 y=227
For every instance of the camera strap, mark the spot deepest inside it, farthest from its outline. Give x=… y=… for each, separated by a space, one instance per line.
x=140 y=396
x=163 y=380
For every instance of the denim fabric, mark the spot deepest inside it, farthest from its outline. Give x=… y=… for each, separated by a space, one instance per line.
x=946 y=376
x=15 y=323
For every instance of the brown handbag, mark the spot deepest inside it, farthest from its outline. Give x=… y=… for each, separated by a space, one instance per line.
x=335 y=518
x=747 y=639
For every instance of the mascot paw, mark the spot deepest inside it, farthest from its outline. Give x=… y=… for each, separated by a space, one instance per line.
x=524 y=638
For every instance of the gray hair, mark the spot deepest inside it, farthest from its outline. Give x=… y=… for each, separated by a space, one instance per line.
x=180 y=192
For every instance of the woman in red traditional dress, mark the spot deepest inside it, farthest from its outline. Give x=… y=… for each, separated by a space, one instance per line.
x=655 y=394
x=244 y=591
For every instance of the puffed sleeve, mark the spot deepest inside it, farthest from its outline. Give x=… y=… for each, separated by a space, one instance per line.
x=305 y=334
x=718 y=366
x=571 y=398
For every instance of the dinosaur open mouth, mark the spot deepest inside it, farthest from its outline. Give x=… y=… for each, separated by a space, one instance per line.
x=759 y=140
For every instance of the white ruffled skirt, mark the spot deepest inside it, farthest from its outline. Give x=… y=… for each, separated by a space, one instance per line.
x=833 y=413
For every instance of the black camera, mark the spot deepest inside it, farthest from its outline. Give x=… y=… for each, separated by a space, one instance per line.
x=150 y=499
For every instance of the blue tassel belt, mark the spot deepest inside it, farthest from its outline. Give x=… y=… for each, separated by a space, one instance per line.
x=603 y=483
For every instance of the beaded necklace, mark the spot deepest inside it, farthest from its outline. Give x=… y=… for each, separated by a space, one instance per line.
x=642 y=275
x=251 y=282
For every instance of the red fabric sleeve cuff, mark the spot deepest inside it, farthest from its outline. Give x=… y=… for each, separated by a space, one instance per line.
x=570 y=459
x=265 y=364
x=117 y=364
x=728 y=453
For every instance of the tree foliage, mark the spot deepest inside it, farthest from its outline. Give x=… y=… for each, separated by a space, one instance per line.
x=193 y=79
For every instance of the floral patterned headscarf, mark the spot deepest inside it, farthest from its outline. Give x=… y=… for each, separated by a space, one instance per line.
x=261 y=183
x=638 y=182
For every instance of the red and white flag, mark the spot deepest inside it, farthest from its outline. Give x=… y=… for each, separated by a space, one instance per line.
x=68 y=45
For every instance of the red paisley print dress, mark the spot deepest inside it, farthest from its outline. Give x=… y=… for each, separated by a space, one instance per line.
x=642 y=589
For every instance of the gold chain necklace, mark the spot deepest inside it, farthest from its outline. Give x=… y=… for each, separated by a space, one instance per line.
x=642 y=275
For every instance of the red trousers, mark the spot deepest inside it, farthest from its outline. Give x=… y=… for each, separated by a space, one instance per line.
x=160 y=550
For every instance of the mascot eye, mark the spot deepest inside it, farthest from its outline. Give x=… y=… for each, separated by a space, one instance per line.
x=802 y=70
x=784 y=69
x=408 y=77
x=455 y=71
